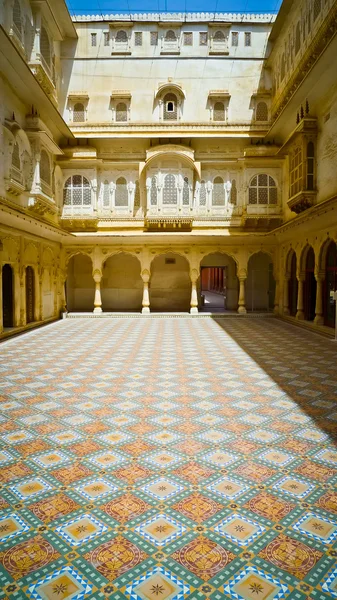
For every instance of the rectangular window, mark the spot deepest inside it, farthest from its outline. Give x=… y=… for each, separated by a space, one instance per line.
x=296 y=172
x=106 y=38
x=188 y=38
x=203 y=37
x=154 y=38
x=94 y=39
x=248 y=38
x=138 y=38
x=235 y=39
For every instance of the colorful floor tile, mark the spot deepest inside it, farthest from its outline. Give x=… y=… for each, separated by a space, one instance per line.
x=168 y=458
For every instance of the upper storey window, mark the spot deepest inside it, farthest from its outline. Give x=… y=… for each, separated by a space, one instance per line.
x=218 y=197
x=261 y=112
x=45 y=173
x=121 y=198
x=248 y=38
x=106 y=36
x=79 y=113
x=170 y=107
x=154 y=38
x=219 y=111
x=121 y=41
x=170 y=193
x=77 y=191
x=219 y=41
x=138 y=38
x=262 y=190
x=17 y=19
x=121 y=37
x=188 y=38
x=170 y=36
x=235 y=39
x=45 y=48
x=121 y=112
x=16 y=173
x=94 y=39
x=170 y=42
x=203 y=38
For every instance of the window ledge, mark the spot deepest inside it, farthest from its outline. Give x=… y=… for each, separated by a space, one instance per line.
x=121 y=52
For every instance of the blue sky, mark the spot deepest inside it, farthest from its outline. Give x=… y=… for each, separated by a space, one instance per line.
x=110 y=6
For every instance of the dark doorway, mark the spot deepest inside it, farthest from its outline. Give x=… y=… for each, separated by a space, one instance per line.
x=30 y=294
x=293 y=286
x=330 y=285
x=7 y=296
x=213 y=287
x=309 y=288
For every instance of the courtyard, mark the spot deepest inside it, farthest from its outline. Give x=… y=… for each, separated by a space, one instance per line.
x=164 y=457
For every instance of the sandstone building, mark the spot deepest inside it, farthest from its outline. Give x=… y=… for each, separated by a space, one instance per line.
x=148 y=160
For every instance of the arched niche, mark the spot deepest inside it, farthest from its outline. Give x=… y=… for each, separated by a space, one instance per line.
x=121 y=285
x=292 y=282
x=218 y=282
x=170 y=284
x=260 y=283
x=80 y=286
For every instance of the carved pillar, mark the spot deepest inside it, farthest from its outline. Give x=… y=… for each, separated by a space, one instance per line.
x=62 y=302
x=17 y=297
x=23 y=307
x=286 y=295
x=242 y=294
x=54 y=279
x=194 y=294
x=97 y=275
x=146 y=296
x=300 y=305
x=277 y=300
x=319 y=319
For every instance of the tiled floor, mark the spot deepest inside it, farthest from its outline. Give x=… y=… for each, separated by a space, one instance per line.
x=168 y=458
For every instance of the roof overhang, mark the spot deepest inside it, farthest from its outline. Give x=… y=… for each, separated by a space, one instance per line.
x=170 y=87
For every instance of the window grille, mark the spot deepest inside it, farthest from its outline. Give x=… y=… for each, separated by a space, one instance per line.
x=202 y=194
x=94 y=39
x=219 y=111
x=203 y=38
x=153 y=193
x=45 y=167
x=235 y=39
x=77 y=191
x=234 y=193
x=45 y=47
x=186 y=192
x=154 y=38
x=296 y=172
x=317 y=8
x=218 y=198
x=106 y=194
x=248 y=38
x=121 y=37
x=138 y=38
x=16 y=156
x=219 y=37
x=297 y=38
x=106 y=35
x=137 y=195
x=261 y=112
x=283 y=67
x=121 y=112
x=17 y=19
x=262 y=190
x=188 y=38
x=170 y=194
x=310 y=165
x=170 y=36
x=79 y=113
x=121 y=198
x=170 y=107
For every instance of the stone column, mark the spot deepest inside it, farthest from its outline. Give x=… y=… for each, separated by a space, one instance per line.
x=97 y=275
x=23 y=308
x=276 y=301
x=319 y=319
x=286 y=296
x=17 y=297
x=194 y=294
x=146 y=296
x=300 y=305
x=242 y=295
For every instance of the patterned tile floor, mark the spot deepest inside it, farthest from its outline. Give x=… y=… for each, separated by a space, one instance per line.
x=168 y=458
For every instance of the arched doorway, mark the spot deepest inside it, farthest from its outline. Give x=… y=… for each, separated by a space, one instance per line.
x=330 y=285
x=80 y=286
x=309 y=286
x=260 y=284
x=122 y=285
x=293 y=285
x=30 y=295
x=170 y=284
x=218 y=283
x=7 y=296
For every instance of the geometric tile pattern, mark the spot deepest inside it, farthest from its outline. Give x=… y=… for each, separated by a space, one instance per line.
x=168 y=458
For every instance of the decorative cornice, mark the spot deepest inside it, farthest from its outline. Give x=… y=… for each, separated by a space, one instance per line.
x=181 y=17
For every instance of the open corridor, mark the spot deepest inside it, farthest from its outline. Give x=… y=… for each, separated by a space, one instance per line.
x=167 y=458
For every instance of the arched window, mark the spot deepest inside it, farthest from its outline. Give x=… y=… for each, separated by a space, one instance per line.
x=77 y=191
x=202 y=194
x=170 y=107
x=310 y=165
x=283 y=67
x=219 y=37
x=45 y=47
x=218 y=198
x=153 y=192
x=186 y=192
x=297 y=38
x=45 y=168
x=262 y=190
x=121 y=112
x=317 y=8
x=121 y=37
x=79 y=113
x=219 y=111
x=106 y=194
x=170 y=194
x=17 y=23
x=16 y=156
x=170 y=36
x=261 y=112
x=137 y=195
x=234 y=193
x=121 y=198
